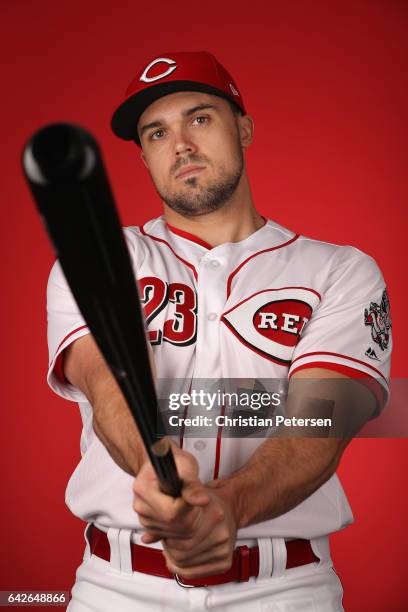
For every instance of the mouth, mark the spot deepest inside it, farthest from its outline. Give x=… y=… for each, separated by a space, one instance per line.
x=189 y=171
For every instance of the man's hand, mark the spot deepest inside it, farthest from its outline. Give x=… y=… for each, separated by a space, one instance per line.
x=198 y=529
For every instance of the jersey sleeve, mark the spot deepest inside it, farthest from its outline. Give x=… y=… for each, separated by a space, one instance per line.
x=65 y=325
x=350 y=330
x=65 y=322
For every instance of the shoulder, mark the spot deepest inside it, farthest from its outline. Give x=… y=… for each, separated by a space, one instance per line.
x=305 y=246
x=338 y=259
x=139 y=235
x=321 y=248
x=133 y=237
x=138 y=238
x=56 y=277
x=349 y=275
x=330 y=264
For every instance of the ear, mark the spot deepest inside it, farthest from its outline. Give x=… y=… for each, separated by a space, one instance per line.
x=142 y=156
x=246 y=130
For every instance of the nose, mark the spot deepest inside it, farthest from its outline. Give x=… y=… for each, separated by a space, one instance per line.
x=183 y=144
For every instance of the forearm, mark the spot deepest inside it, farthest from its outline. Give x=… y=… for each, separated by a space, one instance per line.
x=115 y=427
x=113 y=423
x=280 y=475
x=287 y=468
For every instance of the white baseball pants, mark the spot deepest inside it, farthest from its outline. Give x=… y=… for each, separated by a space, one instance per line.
x=103 y=586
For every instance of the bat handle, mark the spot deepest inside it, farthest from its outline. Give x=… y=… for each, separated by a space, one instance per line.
x=163 y=460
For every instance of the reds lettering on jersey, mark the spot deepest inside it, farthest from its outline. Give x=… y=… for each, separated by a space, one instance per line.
x=261 y=308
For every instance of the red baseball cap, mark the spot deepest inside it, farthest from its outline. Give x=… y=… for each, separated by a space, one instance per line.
x=166 y=74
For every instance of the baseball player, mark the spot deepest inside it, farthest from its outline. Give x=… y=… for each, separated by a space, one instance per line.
x=227 y=295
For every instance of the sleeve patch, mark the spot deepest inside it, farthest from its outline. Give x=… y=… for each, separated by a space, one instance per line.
x=377 y=316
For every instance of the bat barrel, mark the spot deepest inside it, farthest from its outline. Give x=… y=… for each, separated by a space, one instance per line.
x=66 y=175
x=65 y=172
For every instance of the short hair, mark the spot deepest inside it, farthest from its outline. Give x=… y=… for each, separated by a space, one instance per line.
x=235 y=108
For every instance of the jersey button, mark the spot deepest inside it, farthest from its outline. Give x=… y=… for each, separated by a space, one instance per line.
x=200 y=445
x=212 y=316
x=214 y=263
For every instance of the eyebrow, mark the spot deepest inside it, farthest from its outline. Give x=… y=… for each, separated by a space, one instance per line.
x=186 y=113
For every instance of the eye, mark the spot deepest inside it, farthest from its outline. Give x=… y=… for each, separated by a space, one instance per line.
x=157 y=135
x=201 y=119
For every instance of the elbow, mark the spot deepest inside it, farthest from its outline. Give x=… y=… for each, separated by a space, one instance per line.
x=96 y=427
x=338 y=446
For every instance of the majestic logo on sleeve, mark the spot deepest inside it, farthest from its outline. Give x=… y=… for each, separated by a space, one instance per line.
x=378 y=317
x=271 y=322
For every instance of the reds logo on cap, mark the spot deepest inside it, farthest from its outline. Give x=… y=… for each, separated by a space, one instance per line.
x=166 y=60
x=271 y=322
x=168 y=73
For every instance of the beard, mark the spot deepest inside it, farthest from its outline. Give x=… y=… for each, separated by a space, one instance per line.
x=200 y=199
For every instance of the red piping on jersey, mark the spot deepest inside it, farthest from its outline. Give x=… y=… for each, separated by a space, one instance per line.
x=181 y=443
x=189 y=236
x=371 y=382
x=186 y=263
x=68 y=335
x=218 y=448
x=194 y=238
x=280 y=362
x=266 y=290
x=280 y=246
x=58 y=367
x=367 y=365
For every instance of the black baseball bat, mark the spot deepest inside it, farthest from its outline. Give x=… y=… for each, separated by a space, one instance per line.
x=65 y=173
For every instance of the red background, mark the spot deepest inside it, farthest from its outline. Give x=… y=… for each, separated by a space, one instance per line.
x=326 y=84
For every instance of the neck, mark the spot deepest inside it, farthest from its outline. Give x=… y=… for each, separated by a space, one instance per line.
x=234 y=222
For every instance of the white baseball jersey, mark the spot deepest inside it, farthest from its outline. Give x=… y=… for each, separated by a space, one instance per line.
x=260 y=308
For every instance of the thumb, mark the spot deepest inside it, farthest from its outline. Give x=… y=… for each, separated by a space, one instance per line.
x=187 y=466
x=195 y=494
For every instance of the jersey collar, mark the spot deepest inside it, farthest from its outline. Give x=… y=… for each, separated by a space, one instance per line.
x=203 y=243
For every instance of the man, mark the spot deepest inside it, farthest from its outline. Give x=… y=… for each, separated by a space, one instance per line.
x=227 y=296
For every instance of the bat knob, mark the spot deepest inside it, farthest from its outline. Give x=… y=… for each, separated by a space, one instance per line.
x=59 y=152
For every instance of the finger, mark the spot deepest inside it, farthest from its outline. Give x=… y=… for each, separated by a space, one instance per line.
x=148 y=491
x=176 y=531
x=142 y=508
x=150 y=501
x=197 y=545
x=160 y=530
x=195 y=494
x=184 y=559
x=184 y=527
x=147 y=472
x=187 y=464
x=157 y=503
x=150 y=538
x=150 y=520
